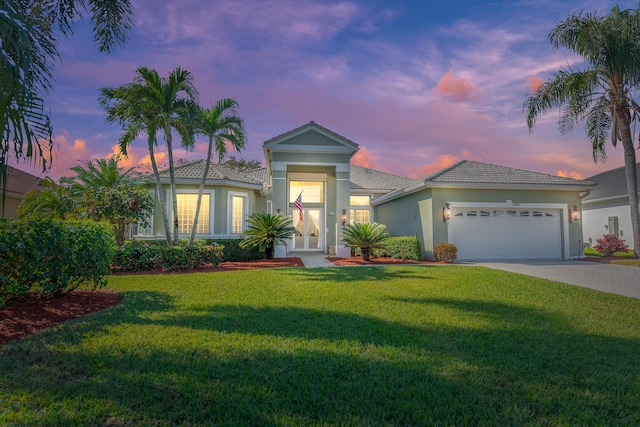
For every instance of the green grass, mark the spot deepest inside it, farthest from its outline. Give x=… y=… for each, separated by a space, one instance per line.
x=426 y=345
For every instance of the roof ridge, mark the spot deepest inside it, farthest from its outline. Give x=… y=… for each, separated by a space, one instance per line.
x=442 y=171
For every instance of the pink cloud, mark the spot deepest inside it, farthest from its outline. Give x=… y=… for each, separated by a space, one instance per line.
x=455 y=89
x=534 y=83
x=570 y=174
x=363 y=158
x=440 y=163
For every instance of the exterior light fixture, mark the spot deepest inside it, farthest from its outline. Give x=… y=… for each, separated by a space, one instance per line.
x=344 y=217
x=446 y=212
x=575 y=215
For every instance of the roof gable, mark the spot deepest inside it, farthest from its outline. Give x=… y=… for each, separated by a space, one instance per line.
x=311 y=137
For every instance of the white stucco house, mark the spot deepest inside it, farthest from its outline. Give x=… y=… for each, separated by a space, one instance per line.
x=605 y=209
x=488 y=211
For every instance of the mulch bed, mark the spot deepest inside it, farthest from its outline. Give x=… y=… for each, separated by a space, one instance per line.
x=29 y=313
x=377 y=261
x=603 y=259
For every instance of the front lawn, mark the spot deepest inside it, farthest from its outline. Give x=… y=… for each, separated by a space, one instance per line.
x=423 y=345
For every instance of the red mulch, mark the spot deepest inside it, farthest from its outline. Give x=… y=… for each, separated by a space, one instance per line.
x=604 y=259
x=377 y=261
x=29 y=314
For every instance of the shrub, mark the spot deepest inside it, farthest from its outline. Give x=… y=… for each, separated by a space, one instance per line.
x=366 y=237
x=265 y=230
x=402 y=247
x=151 y=256
x=233 y=252
x=53 y=256
x=446 y=252
x=609 y=244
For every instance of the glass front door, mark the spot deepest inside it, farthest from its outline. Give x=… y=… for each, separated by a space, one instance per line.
x=309 y=230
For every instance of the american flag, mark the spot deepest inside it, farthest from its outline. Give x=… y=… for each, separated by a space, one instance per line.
x=298 y=204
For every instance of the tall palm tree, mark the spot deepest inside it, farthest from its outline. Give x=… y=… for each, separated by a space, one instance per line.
x=52 y=201
x=29 y=33
x=221 y=124
x=602 y=93
x=154 y=104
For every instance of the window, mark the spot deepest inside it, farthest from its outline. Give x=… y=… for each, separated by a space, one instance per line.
x=237 y=212
x=187 y=210
x=359 y=200
x=359 y=216
x=312 y=191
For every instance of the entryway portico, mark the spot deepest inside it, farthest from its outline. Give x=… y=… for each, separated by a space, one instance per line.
x=314 y=163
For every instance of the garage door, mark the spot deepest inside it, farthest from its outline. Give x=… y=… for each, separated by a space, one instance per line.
x=506 y=233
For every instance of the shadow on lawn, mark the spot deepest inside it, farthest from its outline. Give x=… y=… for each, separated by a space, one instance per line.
x=242 y=365
x=366 y=273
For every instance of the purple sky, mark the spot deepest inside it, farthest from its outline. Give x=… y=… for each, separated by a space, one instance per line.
x=418 y=85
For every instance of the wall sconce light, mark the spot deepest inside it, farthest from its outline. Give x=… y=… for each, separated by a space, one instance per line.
x=446 y=212
x=344 y=217
x=575 y=215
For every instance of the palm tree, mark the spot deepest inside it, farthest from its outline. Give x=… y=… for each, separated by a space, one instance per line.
x=602 y=93
x=365 y=236
x=265 y=230
x=151 y=104
x=222 y=126
x=109 y=193
x=29 y=38
x=52 y=201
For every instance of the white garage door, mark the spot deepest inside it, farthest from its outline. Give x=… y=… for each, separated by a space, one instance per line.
x=506 y=233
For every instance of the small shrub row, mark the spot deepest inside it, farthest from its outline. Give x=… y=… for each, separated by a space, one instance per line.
x=53 y=256
x=140 y=257
x=402 y=247
x=231 y=248
x=446 y=252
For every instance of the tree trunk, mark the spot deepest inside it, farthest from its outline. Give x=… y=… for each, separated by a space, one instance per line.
x=172 y=184
x=270 y=250
x=161 y=199
x=631 y=172
x=200 y=191
x=365 y=253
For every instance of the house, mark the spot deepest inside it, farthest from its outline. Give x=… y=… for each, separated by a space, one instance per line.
x=487 y=211
x=19 y=183
x=606 y=208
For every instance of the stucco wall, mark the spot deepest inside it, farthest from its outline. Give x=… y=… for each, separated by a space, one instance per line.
x=420 y=213
x=596 y=217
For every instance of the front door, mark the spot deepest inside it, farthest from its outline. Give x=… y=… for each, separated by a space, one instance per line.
x=309 y=230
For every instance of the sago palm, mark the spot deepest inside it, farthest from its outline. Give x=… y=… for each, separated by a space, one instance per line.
x=222 y=126
x=265 y=231
x=601 y=95
x=365 y=236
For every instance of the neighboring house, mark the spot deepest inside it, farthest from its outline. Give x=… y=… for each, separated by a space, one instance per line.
x=606 y=208
x=487 y=211
x=19 y=183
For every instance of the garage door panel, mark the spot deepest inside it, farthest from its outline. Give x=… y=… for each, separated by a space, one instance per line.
x=506 y=234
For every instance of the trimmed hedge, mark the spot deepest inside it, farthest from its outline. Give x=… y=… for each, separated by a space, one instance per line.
x=231 y=250
x=53 y=256
x=402 y=247
x=149 y=255
x=446 y=252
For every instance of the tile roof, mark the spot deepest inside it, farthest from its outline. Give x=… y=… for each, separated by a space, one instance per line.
x=21 y=182
x=193 y=171
x=261 y=175
x=471 y=172
x=611 y=183
x=370 y=179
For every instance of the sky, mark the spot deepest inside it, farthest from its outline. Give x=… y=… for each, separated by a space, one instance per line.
x=419 y=85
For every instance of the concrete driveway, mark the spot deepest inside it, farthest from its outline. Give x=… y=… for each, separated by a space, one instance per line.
x=615 y=279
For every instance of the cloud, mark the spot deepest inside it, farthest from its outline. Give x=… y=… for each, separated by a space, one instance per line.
x=570 y=174
x=455 y=89
x=534 y=83
x=440 y=163
x=363 y=158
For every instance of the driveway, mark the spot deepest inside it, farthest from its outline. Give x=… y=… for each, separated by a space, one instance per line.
x=615 y=279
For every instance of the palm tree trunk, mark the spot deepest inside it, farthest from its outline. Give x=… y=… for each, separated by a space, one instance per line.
x=200 y=191
x=631 y=173
x=172 y=184
x=161 y=198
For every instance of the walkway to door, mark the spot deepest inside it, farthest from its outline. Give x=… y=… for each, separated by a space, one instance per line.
x=313 y=259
